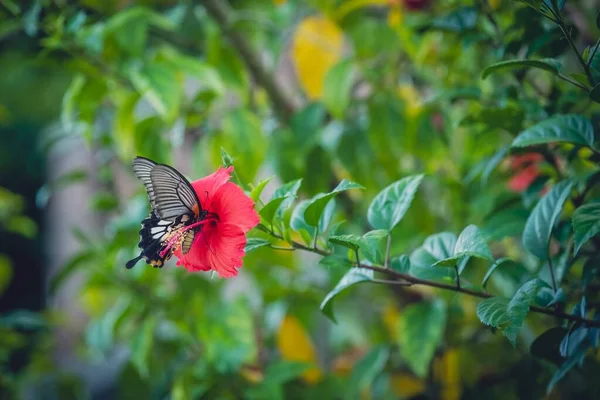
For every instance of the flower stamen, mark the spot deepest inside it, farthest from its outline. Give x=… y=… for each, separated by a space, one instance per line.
x=175 y=240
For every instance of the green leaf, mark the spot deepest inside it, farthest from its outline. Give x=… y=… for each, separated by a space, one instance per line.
x=242 y=135
x=439 y=246
x=390 y=205
x=337 y=86
x=493 y=312
x=255 y=243
x=315 y=209
x=350 y=241
x=100 y=333
x=586 y=224
x=490 y=271
x=124 y=124
x=353 y=276
x=546 y=64
x=298 y=223
x=568 y=128
x=460 y=20
x=508 y=315
x=141 y=345
x=420 y=332
x=518 y=307
x=576 y=358
x=400 y=264
x=158 y=83
x=470 y=243
x=269 y=210
x=306 y=126
x=289 y=189
x=595 y=93
x=31 y=19
x=335 y=261
x=6 y=272
x=23 y=319
x=227 y=335
x=285 y=371
x=366 y=371
x=258 y=189
x=493 y=163
x=547 y=297
x=540 y=223
x=67 y=269
x=371 y=245
x=559 y=3
x=203 y=72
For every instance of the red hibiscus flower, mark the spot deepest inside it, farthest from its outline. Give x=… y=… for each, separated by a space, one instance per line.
x=219 y=246
x=528 y=170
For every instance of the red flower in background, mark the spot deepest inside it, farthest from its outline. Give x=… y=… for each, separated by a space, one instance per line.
x=527 y=166
x=220 y=244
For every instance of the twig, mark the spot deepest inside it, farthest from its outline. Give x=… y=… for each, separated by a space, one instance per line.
x=409 y=279
x=585 y=65
x=220 y=11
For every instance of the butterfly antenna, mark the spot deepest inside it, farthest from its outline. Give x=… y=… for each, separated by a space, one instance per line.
x=207 y=208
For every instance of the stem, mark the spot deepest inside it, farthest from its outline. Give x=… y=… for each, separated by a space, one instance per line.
x=282 y=248
x=391 y=282
x=457 y=276
x=585 y=66
x=220 y=11
x=573 y=82
x=316 y=234
x=409 y=279
x=387 y=250
x=591 y=57
x=552 y=274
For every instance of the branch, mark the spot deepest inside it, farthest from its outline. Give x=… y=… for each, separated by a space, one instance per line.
x=220 y=11
x=412 y=280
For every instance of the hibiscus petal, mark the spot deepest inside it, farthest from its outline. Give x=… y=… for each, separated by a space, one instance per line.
x=226 y=249
x=207 y=187
x=234 y=207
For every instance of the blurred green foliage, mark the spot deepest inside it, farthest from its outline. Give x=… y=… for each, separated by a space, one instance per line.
x=444 y=154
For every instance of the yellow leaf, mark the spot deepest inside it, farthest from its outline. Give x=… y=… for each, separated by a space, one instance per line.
x=252 y=373
x=406 y=386
x=94 y=300
x=390 y=319
x=446 y=371
x=295 y=345
x=279 y=2
x=495 y=4
x=395 y=17
x=317 y=46
x=412 y=99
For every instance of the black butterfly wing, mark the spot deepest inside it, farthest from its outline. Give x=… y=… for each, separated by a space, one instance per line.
x=173 y=194
x=142 y=168
x=154 y=236
x=175 y=205
x=169 y=192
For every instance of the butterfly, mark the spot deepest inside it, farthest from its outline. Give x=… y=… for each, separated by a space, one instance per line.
x=176 y=216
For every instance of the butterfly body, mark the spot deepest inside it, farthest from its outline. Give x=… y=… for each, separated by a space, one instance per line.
x=176 y=216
